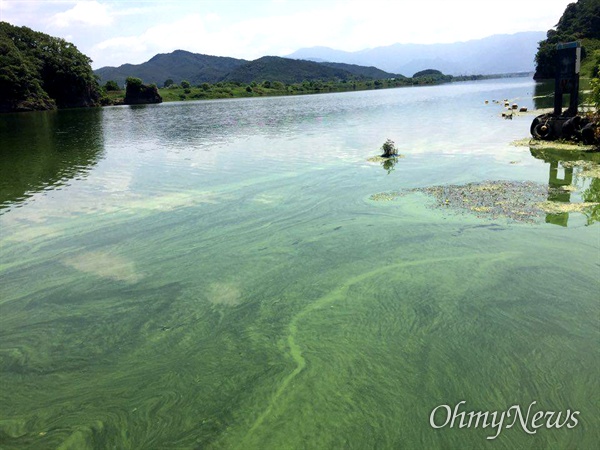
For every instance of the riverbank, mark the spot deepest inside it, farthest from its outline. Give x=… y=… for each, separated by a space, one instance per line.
x=208 y=91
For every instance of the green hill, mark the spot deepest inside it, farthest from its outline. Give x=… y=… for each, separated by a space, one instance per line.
x=38 y=72
x=274 y=68
x=177 y=66
x=579 y=22
x=197 y=68
x=363 y=71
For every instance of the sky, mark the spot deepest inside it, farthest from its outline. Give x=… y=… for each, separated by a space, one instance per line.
x=115 y=32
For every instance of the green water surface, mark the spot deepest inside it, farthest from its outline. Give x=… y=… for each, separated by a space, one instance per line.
x=216 y=275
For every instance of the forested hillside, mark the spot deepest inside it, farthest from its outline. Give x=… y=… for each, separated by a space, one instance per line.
x=177 y=65
x=579 y=22
x=38 y=72
x=197 y=69
x=288 y=71
x=363 y=71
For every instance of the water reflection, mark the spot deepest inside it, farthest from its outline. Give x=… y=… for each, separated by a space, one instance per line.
x=556 y=193
x=43 y=150
x=544 y=95
x=389 y=164
x=563 y=180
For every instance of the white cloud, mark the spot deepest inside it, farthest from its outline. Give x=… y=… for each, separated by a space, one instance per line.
x=89 y=13
x=212 y=34
x=182 y=34
x=349 y=25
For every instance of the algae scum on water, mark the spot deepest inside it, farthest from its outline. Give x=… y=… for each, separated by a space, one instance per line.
x=221 y=275
x=522 y=201
x=518 y=201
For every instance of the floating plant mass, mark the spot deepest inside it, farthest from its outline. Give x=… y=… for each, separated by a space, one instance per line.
x=519 y=201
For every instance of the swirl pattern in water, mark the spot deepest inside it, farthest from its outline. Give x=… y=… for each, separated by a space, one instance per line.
x=227 y=274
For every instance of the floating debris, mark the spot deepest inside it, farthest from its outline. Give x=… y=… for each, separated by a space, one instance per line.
x=555 y=145
x=519 y=201
x=589 y=169
x=387 y=196
x=569 y=188
x=382 y=159
x=591 y=172
x=515 y=200
x=560 y=207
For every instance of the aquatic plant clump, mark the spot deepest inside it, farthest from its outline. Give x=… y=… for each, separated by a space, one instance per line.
x=515 y=200
x=389 y=149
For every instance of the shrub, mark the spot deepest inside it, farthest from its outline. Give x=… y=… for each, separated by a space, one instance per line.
x=111 y=85
x=389 y=149
x=134 y=83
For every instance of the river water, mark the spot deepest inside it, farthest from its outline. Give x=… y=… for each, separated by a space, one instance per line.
x=219 y=274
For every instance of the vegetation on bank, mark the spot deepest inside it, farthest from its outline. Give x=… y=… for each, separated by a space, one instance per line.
x=579 y=22
x=39 y=72
x=236 y=89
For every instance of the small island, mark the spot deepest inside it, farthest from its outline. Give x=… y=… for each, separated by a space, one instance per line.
x=138 y=93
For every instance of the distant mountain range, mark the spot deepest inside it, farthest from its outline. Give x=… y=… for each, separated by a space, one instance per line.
x=493 y=55
x=197 y=68
x=288 y=70
x=178 y=65
x=502 y=53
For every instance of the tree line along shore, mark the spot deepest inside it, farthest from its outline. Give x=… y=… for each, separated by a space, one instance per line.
x=183 y=91
x=41 y=72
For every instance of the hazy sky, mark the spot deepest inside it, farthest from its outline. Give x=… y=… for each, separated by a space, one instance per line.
x=116 y=32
